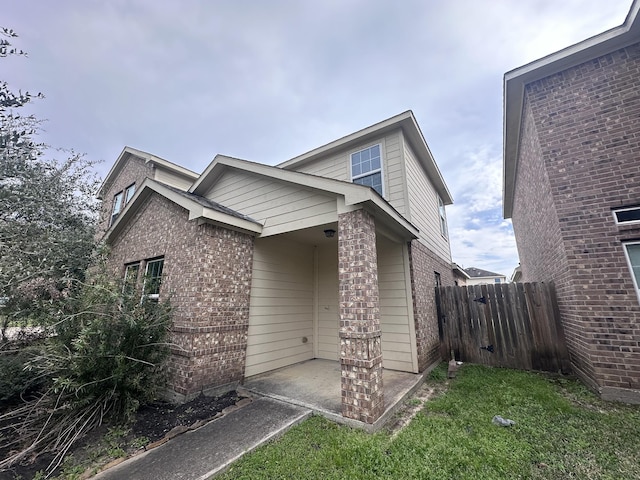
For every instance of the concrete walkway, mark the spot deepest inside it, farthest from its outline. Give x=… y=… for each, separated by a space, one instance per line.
x=210 y=449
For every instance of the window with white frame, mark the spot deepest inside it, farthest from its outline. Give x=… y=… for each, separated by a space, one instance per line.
x=632 y=252
x=130 y=277
x=153 y=278
x=625 y=216
x=366 y=168
x=443 y=217
x=128 y=193
x=117 y=206
x=120 y=199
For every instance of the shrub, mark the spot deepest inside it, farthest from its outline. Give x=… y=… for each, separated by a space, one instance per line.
x=105 y=358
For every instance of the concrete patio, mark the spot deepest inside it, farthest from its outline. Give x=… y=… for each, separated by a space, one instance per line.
x=315 y=384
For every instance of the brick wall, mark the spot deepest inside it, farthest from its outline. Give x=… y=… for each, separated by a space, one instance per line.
x=207 y=278
x=360 y=340
x=582 y=130
x=135 y=171
x=424 y=264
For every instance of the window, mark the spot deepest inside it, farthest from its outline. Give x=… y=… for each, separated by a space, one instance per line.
x=120 y=199
x=117 y=206
x=627 y=215
x=366 y=168
x=438 y=279
x=443 y=217
x=153 y=278
x=130 y=278
x=632 y=252
x=128 y=193
x=496 y=280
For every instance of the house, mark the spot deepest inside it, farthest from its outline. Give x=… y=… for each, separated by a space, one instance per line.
x=572 y=189
x=516 y=276
x=333 y=254
x=478 y=276
x=460 y=277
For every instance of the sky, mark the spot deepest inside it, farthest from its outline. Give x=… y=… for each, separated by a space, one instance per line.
x=268 y=80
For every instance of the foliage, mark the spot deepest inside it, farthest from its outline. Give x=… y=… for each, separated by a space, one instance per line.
x=17 y=382
x=106 y=358
x=561 y=431
x=47 y=211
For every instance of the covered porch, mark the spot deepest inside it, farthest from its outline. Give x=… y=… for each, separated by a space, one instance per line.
x=316 y=384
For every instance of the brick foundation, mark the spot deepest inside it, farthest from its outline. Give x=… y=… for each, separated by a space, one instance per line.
x=360 y=336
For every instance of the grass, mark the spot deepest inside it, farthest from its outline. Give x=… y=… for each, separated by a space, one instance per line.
x=562 y=431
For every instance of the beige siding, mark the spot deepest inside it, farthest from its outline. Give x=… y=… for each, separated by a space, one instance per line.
x=281 y=308
x=280 y=206
x=395 y=307
x=169 y=178
x=338 y=167
x=423 y=207
x=328 y=314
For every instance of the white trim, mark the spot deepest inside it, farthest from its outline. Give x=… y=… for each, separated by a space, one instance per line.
x=625 y=246
x=627 y=209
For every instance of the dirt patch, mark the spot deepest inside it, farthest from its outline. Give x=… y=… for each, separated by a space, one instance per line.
x=152 y=426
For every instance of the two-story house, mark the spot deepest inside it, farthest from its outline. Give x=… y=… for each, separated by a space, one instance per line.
x=333 y=254
x=572 y=188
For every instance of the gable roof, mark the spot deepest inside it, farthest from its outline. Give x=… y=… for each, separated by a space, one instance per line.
x=474 y=272
x=407 y=122
x=354 y=194
x=198 y=207
x=516 y=80
x=124 y=156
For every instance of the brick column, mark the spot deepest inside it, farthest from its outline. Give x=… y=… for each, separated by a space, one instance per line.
x=360 y=345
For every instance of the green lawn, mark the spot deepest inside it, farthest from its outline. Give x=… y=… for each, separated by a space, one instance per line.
x=562 y=431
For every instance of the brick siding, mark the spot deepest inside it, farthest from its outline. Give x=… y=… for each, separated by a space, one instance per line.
x=135 y=171
x=580 y=158
x=424 y=264
x=207 y=278
x=360 y=340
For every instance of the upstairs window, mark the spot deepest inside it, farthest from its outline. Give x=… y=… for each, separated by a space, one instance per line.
x=120 y=199
x=128 y=193
x=625 y=216
x=117 y=206
x=443 y=217
x=366 y=168
x=153 y=278
x=632 y=252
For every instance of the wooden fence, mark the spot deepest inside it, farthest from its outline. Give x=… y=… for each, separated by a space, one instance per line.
x=515 y=325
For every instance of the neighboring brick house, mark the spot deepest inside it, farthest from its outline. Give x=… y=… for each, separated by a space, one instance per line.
x=572 y=188
x=478 y=276
x=333 y=254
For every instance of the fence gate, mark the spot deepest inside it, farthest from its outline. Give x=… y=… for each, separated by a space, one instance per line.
x=515 y=325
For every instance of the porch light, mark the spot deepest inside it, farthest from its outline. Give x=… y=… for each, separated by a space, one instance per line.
x=329 y=233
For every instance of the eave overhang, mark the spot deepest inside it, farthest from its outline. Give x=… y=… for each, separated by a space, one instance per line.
x=197 y=211
x=516 y=80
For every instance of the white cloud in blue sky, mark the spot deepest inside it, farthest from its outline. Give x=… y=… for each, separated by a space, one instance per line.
x=268 y=80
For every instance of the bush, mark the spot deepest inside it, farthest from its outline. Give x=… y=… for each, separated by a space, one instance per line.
x=105 y=357
x=16 y=382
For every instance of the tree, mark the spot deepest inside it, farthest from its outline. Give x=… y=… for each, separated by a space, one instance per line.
x=47 y=211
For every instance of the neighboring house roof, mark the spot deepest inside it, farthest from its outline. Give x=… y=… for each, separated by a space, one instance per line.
x=148 y=158
x=354 y=194
x=198 y=207
x=457 y=269
x=479 y=273
x=516 y=80
x=412 y=132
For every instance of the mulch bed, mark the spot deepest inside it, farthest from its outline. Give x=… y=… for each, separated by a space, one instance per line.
x=154 y=422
